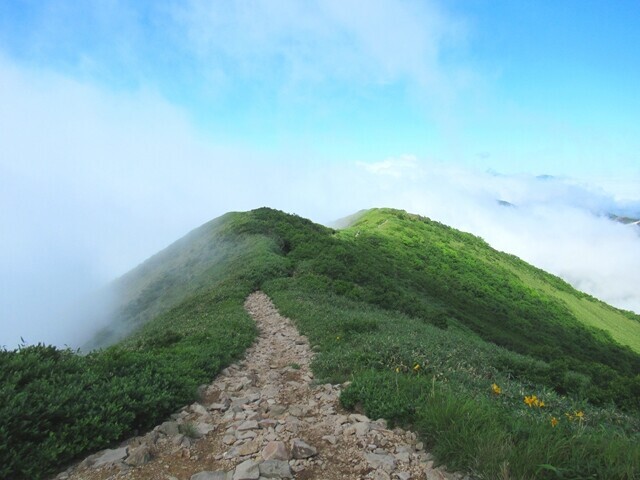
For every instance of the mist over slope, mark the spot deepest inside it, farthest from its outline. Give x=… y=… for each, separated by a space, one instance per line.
x=555 y=224
x=193 y=263
x=181 y=269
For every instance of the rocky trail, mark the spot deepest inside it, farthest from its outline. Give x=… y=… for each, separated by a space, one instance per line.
x=265 y=418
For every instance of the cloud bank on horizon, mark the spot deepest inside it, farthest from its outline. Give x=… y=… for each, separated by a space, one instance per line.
x=146 y=120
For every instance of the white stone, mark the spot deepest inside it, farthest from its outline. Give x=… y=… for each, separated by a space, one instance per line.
x=275 y=469
x=111 y=457
x=247 y=470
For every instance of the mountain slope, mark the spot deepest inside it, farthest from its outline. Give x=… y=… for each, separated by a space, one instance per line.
x=194 y=264
x=418 y=315
x=454 y=254
x=408 y=264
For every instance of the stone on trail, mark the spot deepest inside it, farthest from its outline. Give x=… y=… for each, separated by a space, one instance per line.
x=362 y=429
x=356 y=417
x=247 y=470
x=381 y=475
x=275 y=451
x=229 y=439
x=249 y=448
x=267 y=422
x=217 y=475
x=383 y=461
x=340 y=419
x=402 y=457
x=169 y=428
x=203 y=428
x=275 y=469
x=248 y=425
x=435 y=475
x=331 y=439
x=277 y=410
x=301 y=449
x=198 y=409
x=138 y=456
x=111 y=457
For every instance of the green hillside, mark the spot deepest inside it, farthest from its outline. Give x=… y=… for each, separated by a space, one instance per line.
x=193 y=264
x=434 y=328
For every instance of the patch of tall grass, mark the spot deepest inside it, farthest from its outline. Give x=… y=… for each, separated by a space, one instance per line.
x=455 y=391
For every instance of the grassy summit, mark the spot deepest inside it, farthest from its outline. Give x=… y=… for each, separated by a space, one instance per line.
x=503 y=368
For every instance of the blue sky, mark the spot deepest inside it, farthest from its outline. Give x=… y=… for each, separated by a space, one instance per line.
x=124 y=124
x=515 y=86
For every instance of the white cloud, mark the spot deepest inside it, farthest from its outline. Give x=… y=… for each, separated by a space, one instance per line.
x=404 y=166
x=306 y=43
x=92 y=183
x=557 y=224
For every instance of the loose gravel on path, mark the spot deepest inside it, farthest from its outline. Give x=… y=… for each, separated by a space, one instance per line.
x=265 y=418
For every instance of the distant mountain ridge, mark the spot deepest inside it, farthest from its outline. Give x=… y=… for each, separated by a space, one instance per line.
x=624 y=219
x=195 y=262
x=164 y=280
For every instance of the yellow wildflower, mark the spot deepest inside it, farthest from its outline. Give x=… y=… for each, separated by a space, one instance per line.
x=397 y=369
x=416 y=367
x=554 y=421
x=533 y=401
x=496 y=389
x=579 y=415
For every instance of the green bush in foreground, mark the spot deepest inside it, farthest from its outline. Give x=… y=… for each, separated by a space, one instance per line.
x=472 y=433
x=56 y=405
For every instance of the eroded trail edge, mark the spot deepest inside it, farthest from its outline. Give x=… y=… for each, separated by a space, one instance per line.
x=265 y=418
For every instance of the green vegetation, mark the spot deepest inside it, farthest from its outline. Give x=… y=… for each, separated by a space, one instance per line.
x=621 y=325
x=56 y=406
x=439 y=382
x=189 y=430
x=506 y=371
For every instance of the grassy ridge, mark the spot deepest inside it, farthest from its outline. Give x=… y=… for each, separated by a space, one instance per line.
x=622 y=326
x=450 y=279
x=193 y=264
x=422 y=318
x=440 y=383
x=56 y=406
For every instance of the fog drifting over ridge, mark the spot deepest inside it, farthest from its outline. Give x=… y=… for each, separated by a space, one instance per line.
x=93 y=183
